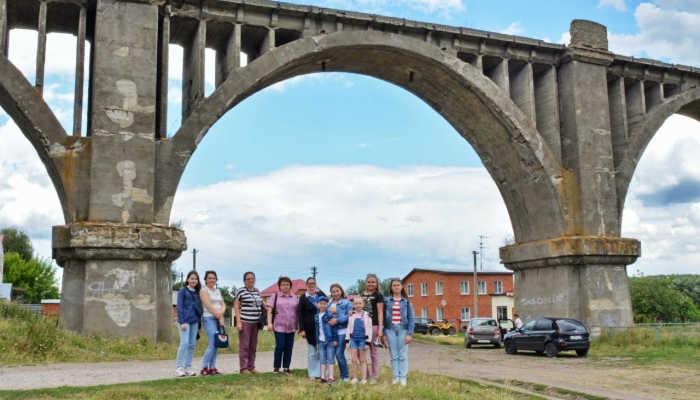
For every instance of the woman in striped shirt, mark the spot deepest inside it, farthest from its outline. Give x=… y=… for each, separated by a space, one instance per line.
x=398 y=329
x=248 y=303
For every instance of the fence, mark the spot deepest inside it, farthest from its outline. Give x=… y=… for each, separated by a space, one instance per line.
x=657 y=332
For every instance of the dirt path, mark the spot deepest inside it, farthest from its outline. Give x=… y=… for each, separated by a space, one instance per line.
x=615 y=379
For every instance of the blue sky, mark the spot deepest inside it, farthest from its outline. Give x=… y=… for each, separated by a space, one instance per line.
x=355 y=175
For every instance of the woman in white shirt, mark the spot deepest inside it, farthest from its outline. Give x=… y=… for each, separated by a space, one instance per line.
x=213 y=315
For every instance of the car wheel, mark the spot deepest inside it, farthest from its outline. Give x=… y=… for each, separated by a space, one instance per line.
x=451 y=331
x=551 y=350
x=510 y=347
x=582 y=353
x=435 y=331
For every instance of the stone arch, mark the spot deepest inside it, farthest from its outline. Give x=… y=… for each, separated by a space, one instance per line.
x=37 y=122
x=529 y=177
x=687 y=104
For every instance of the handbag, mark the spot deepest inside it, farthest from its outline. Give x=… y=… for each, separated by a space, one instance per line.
x=221 y=338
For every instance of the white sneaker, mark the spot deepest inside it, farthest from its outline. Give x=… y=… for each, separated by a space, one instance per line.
x=395 y=381
x=190 y=372
x=180 y=372
x=345 y=380
x=363 y=382
x=403 y=381
x=354 y=381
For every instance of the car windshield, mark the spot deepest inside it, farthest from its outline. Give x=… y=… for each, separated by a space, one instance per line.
x=570 y=325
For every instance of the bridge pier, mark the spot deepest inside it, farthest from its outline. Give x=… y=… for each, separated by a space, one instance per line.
x=579 y=277
x=117 y=278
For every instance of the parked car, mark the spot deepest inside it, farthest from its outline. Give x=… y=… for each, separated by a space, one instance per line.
x=549 y=336
x=421 y=325
x=483 y=331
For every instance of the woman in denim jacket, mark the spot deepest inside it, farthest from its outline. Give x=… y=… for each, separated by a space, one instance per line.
x=340 y=307
x=398 y=329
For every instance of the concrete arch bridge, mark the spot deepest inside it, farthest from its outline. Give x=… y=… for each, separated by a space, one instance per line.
x=560 y=129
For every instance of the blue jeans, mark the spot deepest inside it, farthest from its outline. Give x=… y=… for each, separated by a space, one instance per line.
x=340 y=356
x=188 y=338
x=327 y=353
x=284 y=343
x=314 y=361
x=396 y=338
x=211 y=326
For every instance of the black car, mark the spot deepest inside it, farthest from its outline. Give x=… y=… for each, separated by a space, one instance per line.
x=549 y=336
x=421 y=325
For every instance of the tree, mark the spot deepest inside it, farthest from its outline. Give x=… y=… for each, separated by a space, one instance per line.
x=17 y=241
x=360 y=286
x=36 y=277
x=653 y=299
x=689 y=285
x=228 y=295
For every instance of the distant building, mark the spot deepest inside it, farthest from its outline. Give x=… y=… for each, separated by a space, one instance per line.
x=449 y=295
x=298 y=288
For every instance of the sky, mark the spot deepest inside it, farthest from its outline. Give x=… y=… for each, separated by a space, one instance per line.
x=354 y=175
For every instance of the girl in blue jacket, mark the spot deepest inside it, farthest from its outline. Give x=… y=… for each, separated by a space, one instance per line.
x=189 y=313
x=398 y=329
x=340 y=307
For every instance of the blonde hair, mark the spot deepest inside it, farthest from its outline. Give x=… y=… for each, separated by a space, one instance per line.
x=360 y=299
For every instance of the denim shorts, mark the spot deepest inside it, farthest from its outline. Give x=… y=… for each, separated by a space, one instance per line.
x=357 y=343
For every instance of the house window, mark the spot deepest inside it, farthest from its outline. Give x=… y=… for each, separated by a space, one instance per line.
x=424 y=313
x=498 y=287
x=438 y=288
x=502 y=313
x=466 y=313
x=438 y=314
x=464 y=287
x=482 y=287
x=423 y=289
x=409 y=289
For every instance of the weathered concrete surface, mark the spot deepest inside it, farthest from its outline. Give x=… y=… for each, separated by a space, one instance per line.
x=560 y=130
x=117 y=277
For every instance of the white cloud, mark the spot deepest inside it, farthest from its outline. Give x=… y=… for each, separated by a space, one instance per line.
x=657 y=40
x=60 y=53
x=658 y=211
x=619 y=5
x=682 y=5
x=513 y=29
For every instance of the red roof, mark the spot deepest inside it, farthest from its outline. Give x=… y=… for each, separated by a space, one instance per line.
x=297 y=284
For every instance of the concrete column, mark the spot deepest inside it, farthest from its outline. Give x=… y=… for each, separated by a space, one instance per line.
x=116 y=273
x=582 y=275
x=635 y=104
x=193 y=70
x=228 y=58
x=41 y=48
x=79 y=74
x=268 y=43
x=522 y=89
x=654 y=95
x=117 y=278
x=499 y=75
x=586 y=138
x=4 y=31
x=163 y=64
x=578 y=277
x=547 y=108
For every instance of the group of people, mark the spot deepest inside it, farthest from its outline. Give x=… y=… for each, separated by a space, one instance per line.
x=330 y=324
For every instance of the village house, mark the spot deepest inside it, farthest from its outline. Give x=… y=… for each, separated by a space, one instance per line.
x=449 y=295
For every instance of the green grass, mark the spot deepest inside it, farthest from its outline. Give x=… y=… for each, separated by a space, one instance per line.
x=648 y=345
x=552 y=391
x=28 y=338
x=456 y=340
x=267 y=386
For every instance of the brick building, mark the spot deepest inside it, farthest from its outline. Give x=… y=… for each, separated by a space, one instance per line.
x=439 y=295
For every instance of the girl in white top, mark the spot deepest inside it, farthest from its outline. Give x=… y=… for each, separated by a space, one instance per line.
x=213 y=315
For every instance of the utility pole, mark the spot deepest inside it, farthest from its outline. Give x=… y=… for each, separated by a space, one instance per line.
x=476 y=290
x=481 y=251
x=313 y=271
x=194 y=259
x=182 y=278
